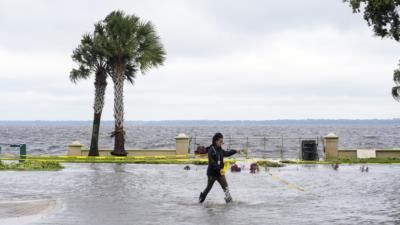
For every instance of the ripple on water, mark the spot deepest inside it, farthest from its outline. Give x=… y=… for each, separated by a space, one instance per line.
x=167 y=194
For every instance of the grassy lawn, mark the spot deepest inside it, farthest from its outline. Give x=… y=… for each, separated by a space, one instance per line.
x=31 y=165
x=40 y=161
x=54 y=162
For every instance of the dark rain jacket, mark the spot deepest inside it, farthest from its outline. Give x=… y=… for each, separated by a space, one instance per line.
x=216 y=159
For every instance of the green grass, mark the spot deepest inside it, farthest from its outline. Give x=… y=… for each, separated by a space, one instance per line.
x=266 y=163
x=303 y=162
x=173 y=159
x=116 y=159
x=31 y=165
x=370 y=160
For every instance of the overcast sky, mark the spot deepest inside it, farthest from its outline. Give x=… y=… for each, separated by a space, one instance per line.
x=226 y=60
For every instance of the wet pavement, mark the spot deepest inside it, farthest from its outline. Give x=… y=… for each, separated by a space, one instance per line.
x=167 y=194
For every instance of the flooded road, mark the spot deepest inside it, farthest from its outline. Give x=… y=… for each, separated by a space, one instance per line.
x=167 y=194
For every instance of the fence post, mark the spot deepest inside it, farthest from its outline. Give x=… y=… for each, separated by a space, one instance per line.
x=195 y=143
x=22 y=153
x=301 y=146
x=281 y=147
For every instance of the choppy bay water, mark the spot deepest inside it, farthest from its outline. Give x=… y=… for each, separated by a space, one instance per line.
x=52 y=138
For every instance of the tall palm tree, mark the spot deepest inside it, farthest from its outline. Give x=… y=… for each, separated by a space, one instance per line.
x=396 y=89
x=127 y=42
x=91 y=60
x=89 y=56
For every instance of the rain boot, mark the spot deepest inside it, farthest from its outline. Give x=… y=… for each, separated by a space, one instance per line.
x=202 y=197
x=228 y=197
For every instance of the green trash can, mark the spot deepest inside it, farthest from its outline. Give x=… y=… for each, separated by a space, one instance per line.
x=22 y=151
x=309 y=150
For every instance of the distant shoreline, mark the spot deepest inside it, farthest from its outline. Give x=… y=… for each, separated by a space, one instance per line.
x=394 y=121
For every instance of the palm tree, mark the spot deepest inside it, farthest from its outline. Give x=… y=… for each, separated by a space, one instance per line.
x=127 y=42
x=89 y=56
x=91 y=60
x=396 y=89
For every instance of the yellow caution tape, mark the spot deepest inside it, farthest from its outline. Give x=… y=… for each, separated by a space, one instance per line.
x=290 y=185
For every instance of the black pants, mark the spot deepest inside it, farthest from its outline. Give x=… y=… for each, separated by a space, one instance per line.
x=222 y=181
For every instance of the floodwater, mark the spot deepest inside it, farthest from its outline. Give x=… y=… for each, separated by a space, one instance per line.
x=101 y=194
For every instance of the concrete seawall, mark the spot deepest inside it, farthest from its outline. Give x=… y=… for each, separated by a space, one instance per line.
x=331 y=150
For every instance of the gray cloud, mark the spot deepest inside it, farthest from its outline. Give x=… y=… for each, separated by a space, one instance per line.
x=246 y=60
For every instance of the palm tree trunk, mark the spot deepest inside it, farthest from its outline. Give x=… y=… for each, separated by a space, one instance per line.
x=94 y=144
x=100 y=90
x=119 y=133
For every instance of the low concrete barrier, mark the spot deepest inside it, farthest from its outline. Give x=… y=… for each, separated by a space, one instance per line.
x=182 y=148
x=331 y=142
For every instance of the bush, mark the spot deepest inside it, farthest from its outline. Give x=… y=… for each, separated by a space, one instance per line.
x=31 y=165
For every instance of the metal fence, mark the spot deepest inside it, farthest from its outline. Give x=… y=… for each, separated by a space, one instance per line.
x=263 y=146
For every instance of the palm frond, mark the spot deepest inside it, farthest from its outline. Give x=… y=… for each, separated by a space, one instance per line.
x=88 y=55
x=130 y=72
x=80 y=73
x=126 y=42
x=151 y=51
x=119 y=36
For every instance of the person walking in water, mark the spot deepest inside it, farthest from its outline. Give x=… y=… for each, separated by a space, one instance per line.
x=215 y=170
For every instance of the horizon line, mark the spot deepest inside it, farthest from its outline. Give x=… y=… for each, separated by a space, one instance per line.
x=210 y=120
